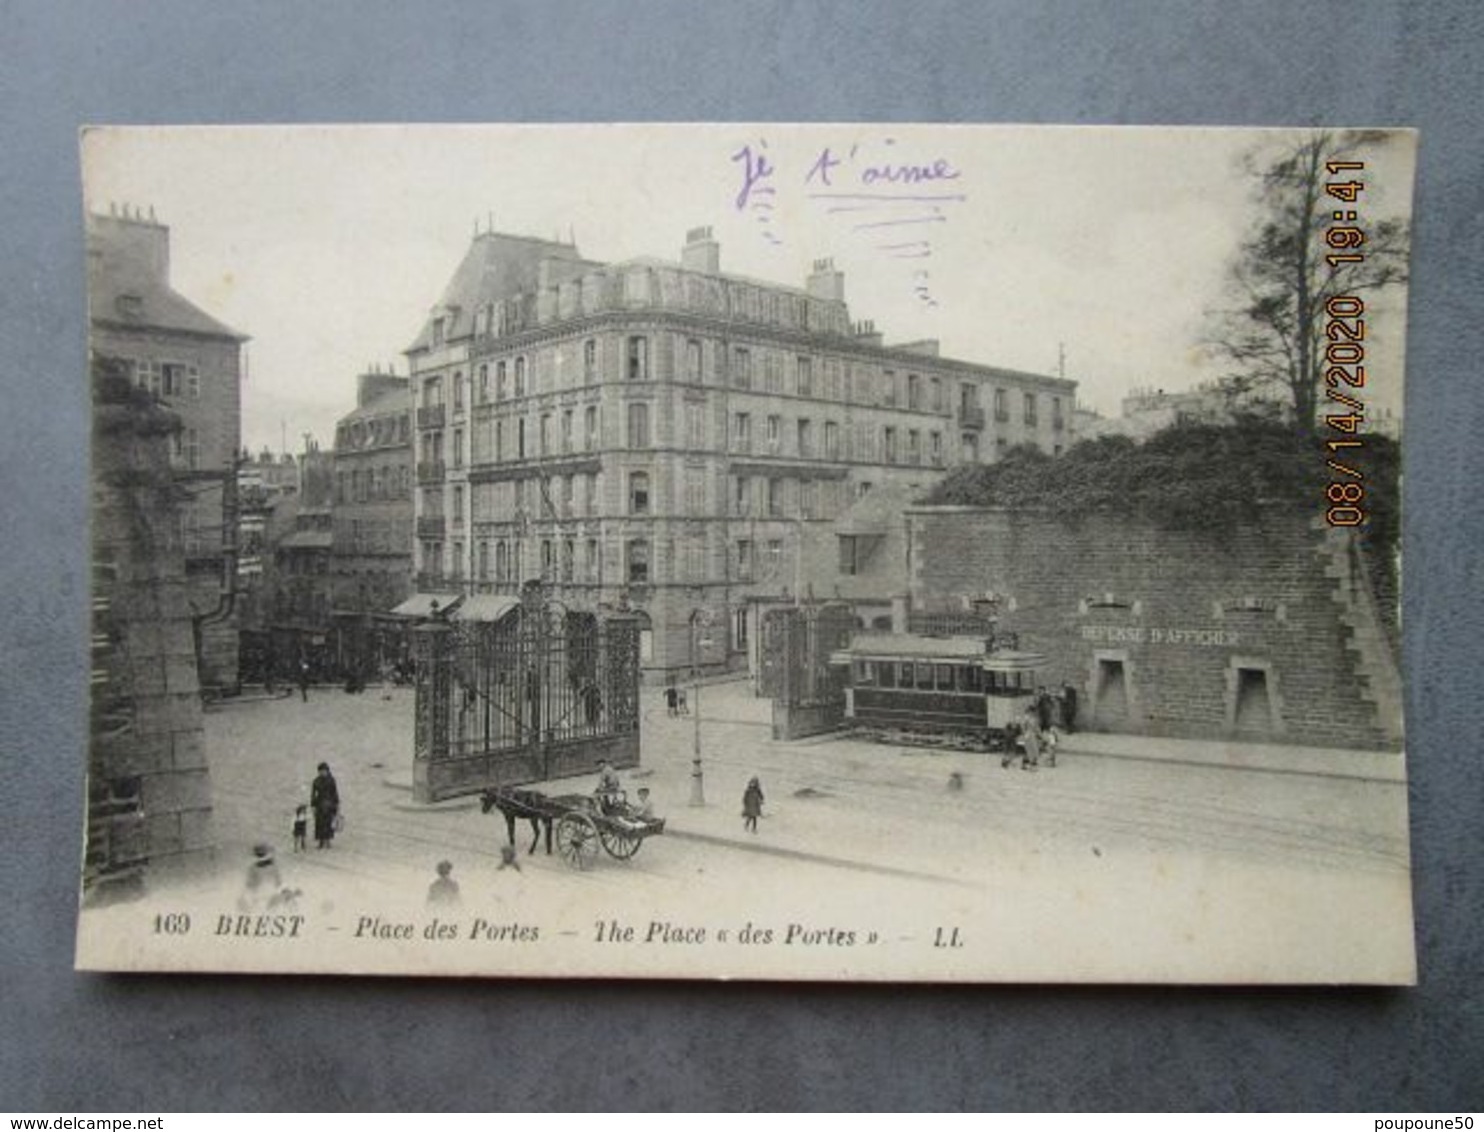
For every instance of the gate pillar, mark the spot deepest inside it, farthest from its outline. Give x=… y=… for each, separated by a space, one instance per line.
x=432 y=652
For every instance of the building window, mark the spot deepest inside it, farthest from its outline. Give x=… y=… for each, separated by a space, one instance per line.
x=484 y=561
x=501 y=392
x=742 y=368
x=545 y=436
x=935 y=389
x=594 y=561
x=805 y=375
x=914 y=391
x=1030 y=408
x=806 y=439
x=638 y=425
x=637 y=358
x=502 y=562
x=458 y=502
x=695 y=425
x=970 y=443
x=639 y=493
x=773 y=563
x=772 y=372
x=590 y=428
x=520 y=438
x=935 y=448
x=592 y=494
x=458 y=448
x=437 y=332
x=914 y=446
x=693 y=361
x=482 y=391
x=1001 y=405
x=849 y=563
x=741 y=500
x=569 y=554
x=889 y=388
x=739 y=631
x=458 y=392
x=889 y=441
x=456 y=566
x=744 y=560
x=590 y=360
x=520 y=376
x=831 y=440
x=808 y=499
x=695 y=492
x=499 y=441
x=566 y=431
x=742 y=432
x=638 y=554
x=566 y=492
x=1057 y=421
x=775 y=433
x=775 y=498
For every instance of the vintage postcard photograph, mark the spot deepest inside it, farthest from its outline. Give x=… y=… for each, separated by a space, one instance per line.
x=810 y=552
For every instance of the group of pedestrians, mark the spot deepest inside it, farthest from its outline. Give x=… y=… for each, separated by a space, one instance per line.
x=1036 y=735
x=263 y=887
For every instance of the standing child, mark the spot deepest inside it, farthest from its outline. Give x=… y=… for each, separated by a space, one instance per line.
x=752 y=805
x=301 y=829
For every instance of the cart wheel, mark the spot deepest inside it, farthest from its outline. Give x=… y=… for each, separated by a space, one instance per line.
x=619 y=843
x=577 y=840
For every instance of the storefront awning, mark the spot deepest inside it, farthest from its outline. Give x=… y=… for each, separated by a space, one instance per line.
x=421 y=605
x=485 y=607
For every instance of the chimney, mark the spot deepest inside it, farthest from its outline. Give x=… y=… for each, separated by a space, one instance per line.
x=701 y=252
x=867 y=334
x=373 y=383
x=825 y=282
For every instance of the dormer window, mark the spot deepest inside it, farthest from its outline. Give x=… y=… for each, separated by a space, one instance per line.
x=129 y=306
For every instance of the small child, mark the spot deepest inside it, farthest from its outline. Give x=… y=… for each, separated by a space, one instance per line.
x=444 y=890
x=644 y=808
x=301 y=829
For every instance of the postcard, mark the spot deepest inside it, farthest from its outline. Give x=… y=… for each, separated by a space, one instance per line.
x=720 y=551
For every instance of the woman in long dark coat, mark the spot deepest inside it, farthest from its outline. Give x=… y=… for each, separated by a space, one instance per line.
x=324 y=800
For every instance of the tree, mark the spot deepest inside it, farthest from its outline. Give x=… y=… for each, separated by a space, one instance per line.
x=1299 y=257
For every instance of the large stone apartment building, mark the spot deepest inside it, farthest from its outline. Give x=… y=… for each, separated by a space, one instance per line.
x=669 y=438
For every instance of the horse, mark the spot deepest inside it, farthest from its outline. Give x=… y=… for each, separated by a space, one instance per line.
x=515 y=805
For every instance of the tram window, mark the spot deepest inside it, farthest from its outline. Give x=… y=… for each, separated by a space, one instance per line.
x=944 y=676
x=887 y=673
x=925 y=677
x=865 y=672
x=968 y=678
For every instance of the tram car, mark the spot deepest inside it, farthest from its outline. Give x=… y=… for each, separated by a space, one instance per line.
x=948 y=691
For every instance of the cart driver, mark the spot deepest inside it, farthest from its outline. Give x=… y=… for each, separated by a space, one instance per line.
x=608 y=792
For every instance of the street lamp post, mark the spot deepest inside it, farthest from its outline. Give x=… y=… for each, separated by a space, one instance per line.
x=698 y=618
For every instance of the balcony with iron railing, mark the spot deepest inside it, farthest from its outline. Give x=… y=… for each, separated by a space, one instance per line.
x=431 y=416
x=431 y=471
x=971 y=416
x=431 y=526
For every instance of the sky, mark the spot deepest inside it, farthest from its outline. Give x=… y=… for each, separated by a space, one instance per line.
x=1098 y=250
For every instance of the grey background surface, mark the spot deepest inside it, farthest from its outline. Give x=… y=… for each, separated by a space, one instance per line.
x=76 y=1042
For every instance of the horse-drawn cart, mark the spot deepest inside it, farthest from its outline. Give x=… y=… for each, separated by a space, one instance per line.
x=578 y=823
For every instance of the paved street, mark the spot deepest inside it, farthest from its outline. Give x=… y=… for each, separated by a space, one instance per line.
x=1143 y=850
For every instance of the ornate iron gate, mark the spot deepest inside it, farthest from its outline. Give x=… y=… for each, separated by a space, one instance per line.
x=541 y=693
x=808 y=692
